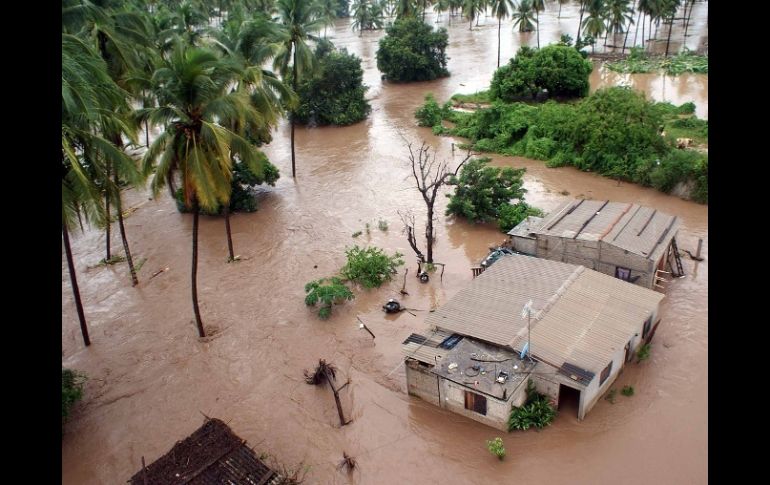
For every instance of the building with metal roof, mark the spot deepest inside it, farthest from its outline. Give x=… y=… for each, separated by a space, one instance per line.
x=581 y=328
x=624 y=240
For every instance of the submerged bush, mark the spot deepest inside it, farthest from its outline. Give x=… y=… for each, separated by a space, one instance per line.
x=496 y=447
x=510 y=215
x=430 y=113
x=558 y=68
x=480 y=190
x=370 y=267
x=327 y=291
x=334 y=94
x=413 y=51
x=72 y=383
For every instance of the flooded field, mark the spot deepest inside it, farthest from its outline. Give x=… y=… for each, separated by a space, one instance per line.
x=151 y=380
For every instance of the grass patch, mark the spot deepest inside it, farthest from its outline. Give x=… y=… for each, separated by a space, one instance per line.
x=639 y=62
x=115 y=259
x=477 y=97
x=643 y=353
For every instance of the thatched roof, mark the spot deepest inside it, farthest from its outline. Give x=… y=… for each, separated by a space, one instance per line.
x=212 y=455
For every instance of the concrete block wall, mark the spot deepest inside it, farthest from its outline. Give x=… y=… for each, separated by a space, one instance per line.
x=524 y=245
x=420 y=382
x=498 y=411
x=547 y=387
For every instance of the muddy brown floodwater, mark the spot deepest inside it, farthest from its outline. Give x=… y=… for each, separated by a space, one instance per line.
x=151 y=380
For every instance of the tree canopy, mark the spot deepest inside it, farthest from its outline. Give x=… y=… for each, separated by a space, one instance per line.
x=413 y=51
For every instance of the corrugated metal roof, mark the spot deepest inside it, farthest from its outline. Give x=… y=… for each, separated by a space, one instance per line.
x=582 y=316
x=429 y=349
x=489 y=308
x=529 y=225
x=631 y=227
x=594 y=317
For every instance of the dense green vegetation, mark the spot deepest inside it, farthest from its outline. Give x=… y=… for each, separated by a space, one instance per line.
x=334 y=93
x=413 y=51
x=484 y=193
x=496 y=447
x=615 y=132
x=72 y=383
x=557 y=68
x=430 y=113
x=327 y=291
x=370 y=267
x=536 y=412
x=639 y=62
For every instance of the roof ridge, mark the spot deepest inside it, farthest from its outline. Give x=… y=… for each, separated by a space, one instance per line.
x=559 y=292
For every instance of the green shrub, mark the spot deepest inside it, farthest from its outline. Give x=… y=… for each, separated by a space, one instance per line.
x=643 y=353
x=370 y=267
x=430 y=113
x=245 y=178
x=496 y=447
x=627 y=391
x=413 y=51
x=72 y=383
x=611 y=396
x=678 y=166
x=327 y=291
x=510 y=215
x=558 y=68
x=536 y=411
x=382 y=225
x=481 y=190
x=334 y=94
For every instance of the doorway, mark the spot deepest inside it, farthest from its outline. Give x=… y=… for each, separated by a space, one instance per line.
x=569 y=400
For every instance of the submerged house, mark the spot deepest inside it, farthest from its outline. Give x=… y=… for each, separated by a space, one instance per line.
x=583 y=328
x=628 y=241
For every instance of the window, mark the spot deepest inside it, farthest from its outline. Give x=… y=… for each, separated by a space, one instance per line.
x=646 y=328
x=475 y=402
x=605 y=373
x=622 y=273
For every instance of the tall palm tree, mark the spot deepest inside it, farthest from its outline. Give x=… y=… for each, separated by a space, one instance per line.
x=522 y=16
x=249 y=45
x=195 y=106
x=405 y=8
x=299 y=19
x=645 y=8
x=328 y=12
x=561 y=2
x=88 y=98
x=580 y=22
x=538 y=5
x=501 y=9
x=441 y=7
x=471 y=11
x=619 y=13
x=593 y=24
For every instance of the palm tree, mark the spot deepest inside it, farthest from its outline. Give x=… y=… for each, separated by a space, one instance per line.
x=328 y=12
x=88 y=98
x=538 y=5
x=405 y=8
x=646 y=7
x=501 y=9
x=471 y=10
x=523 y=16
x=561 y=2
x=619 y=13
x=195 y=106
x=668 y=9
x=593 y=24
x=580 y=23
x=441 y=7
x=249 y=45
x=299 y=18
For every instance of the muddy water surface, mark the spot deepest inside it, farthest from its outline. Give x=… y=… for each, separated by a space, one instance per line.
x=151 y=379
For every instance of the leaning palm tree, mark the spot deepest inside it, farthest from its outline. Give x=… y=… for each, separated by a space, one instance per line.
x=501 y=9
x=195 y=106
x=522 y=16
x=299 y=19
x=88 y=98
x=538 y=5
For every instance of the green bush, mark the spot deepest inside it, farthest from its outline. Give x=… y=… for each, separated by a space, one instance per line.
x=72 y=383
x=245 y=178
x=510 y=215
x=370 y=267
x=536 y=411
x=627 y=391
x=430 y=113
x=481 y=190
x=678 y=166
x=496 y=447
x=611 y=396
x=413 y=51
x=643 y=353
x=327 y=291
x=334 y=94
x=558 y=68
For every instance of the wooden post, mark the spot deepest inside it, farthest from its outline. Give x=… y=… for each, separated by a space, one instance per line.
x=336 y=399
x=144 y=471
x=700 y=246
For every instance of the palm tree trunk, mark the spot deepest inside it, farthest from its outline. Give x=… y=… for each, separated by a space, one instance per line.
x=643 y=46
x=119 y=209
x=109 y=222
x=226 y=209
x=74 y=281
x=559 y=16
x=670 y=27
x=637 y=26
x=198 y=322
x=499 y=26
x=294 y=86
x=687 y=23
x=147 y=134
x=580 y=22
x=537 y=20
x=625 y=39
x=470 y=24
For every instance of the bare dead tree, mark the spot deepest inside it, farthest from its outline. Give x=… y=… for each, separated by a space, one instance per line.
x=429 y=176
x=327 y=372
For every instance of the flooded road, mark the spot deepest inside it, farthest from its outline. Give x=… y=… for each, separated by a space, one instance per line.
x=151 y=380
